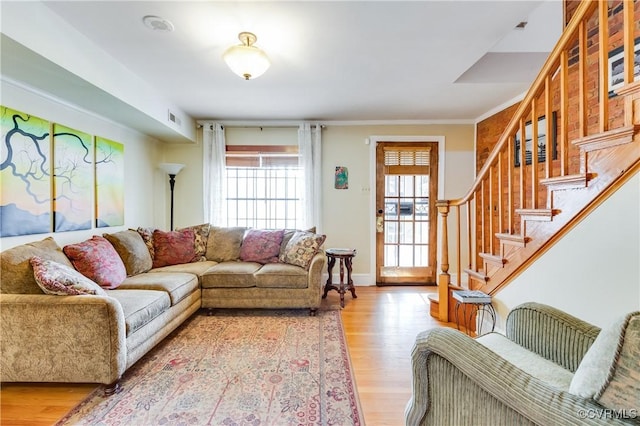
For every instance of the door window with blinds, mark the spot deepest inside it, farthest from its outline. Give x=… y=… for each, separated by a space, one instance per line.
x=406 y=186
x=263 y=186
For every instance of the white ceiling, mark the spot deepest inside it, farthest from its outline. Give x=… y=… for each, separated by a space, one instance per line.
x=331 y=61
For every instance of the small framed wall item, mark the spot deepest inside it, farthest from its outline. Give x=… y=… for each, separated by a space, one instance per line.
x=342 y=178
x=541 y=143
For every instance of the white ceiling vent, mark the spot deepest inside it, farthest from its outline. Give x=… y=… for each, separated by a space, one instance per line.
x=157 y=23
x=174 y=119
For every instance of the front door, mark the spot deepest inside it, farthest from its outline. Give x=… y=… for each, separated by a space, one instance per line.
x=406 y=190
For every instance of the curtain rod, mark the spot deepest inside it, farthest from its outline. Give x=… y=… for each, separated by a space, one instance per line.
x=259 y=124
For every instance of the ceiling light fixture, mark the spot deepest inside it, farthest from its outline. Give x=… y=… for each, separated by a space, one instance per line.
x=246 y=60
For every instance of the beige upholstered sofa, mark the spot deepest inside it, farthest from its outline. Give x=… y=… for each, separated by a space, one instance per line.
x=96 y=338
x=550 y=369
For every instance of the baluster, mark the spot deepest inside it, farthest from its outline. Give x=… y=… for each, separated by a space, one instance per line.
x=564 y=114
x=458 y=242
x=534 y=155
x=443 y=278
x=603 y=58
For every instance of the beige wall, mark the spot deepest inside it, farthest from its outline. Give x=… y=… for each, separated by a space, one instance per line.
x=143 y=182
x=347 y=214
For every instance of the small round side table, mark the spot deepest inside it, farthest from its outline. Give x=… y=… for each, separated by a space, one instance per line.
x=346 y=256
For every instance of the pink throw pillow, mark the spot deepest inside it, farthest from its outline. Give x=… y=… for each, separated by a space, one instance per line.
x=173 y=248
x=97 y=260
x=262 y=246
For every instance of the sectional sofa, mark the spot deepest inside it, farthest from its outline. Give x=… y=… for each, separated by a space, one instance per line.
x=87 y=312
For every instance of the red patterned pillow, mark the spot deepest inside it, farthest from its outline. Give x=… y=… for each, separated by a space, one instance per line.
x=97 y=260
x=262 y=246
x=174 y=247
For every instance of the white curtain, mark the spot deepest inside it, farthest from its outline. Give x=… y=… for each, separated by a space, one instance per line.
x=310 y=148
x=214 y=171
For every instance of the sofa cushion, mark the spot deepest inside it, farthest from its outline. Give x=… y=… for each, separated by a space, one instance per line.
x=609 y=371
x=173 y=247
x=224 y=243
x=231 y=275
x=201 y=236
x=147 y=236
x=132 y=250
x=527 y=361
x=196 y=268
x=177 y=285
x=301 y=249
x=261 y=245
x=62 y=280
x=281 y=275
x=16 y=270
x=97 y=260
x=140 y=306
x=286 y=237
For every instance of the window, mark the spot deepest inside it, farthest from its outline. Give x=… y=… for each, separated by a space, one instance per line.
x=263 y=186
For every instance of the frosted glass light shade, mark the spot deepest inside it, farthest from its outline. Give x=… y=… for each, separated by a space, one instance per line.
x=171 y=168
x=246 y=60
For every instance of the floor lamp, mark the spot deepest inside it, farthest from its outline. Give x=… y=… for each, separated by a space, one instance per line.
x=172 y=169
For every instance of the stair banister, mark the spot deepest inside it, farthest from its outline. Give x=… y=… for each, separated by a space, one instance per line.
x=575 y=30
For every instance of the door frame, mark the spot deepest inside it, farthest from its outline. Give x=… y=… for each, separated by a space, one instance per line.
x=372 y=141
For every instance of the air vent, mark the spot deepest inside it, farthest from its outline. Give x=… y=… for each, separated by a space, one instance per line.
x=174 y=119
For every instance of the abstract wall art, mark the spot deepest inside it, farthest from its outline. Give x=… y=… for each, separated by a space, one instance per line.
x=109 y=159
x=72 y=179
x=25 y=174
x=341 y=178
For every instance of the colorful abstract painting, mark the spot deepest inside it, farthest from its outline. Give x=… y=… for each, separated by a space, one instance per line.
x=72 y=179
x=109 y=183
x=25 y=174
x=342 y=178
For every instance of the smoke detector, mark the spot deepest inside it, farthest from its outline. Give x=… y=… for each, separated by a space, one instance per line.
x=157 y=23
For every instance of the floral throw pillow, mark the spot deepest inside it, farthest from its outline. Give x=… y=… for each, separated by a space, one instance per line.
x=61 y=280
x=201 y=233
x=97 y=260
x=261 y=245
x=147 y=237
x=301 y=248
x=173 y=247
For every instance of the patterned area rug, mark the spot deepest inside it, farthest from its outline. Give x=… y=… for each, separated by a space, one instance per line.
x=237 y=367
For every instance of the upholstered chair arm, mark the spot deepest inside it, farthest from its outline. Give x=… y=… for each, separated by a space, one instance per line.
x=457 y=379
x=551 y=333
x=48 y=338
x=316 y=268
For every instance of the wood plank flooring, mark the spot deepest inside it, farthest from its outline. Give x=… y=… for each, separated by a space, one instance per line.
x=380 y=326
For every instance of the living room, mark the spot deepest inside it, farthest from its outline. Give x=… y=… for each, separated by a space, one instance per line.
x=575 y=262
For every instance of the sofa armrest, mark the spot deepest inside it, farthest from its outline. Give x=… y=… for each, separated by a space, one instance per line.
x=551 y=333
x=74 y=339
x=316 y=268
x=458 y=380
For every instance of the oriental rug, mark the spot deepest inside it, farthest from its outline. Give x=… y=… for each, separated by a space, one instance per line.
x=237 y=367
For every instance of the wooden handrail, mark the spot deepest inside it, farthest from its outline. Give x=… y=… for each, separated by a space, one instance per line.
x=506 y=201
x=549 y=67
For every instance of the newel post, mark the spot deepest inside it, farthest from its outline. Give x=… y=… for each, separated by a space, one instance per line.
x=443 y=277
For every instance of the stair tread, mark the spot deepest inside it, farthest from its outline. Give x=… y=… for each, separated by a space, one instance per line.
x=494 y=258
x=610 y=138
x=477 y=275
x=537 y=214
x=518 y=240
x=566 y=182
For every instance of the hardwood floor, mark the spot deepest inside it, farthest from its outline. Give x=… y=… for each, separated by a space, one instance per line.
x=380 y=326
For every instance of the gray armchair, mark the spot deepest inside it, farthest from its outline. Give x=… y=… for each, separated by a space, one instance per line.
x=525 y=377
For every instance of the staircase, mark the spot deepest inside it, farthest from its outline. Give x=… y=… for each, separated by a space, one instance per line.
x=581 y=144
